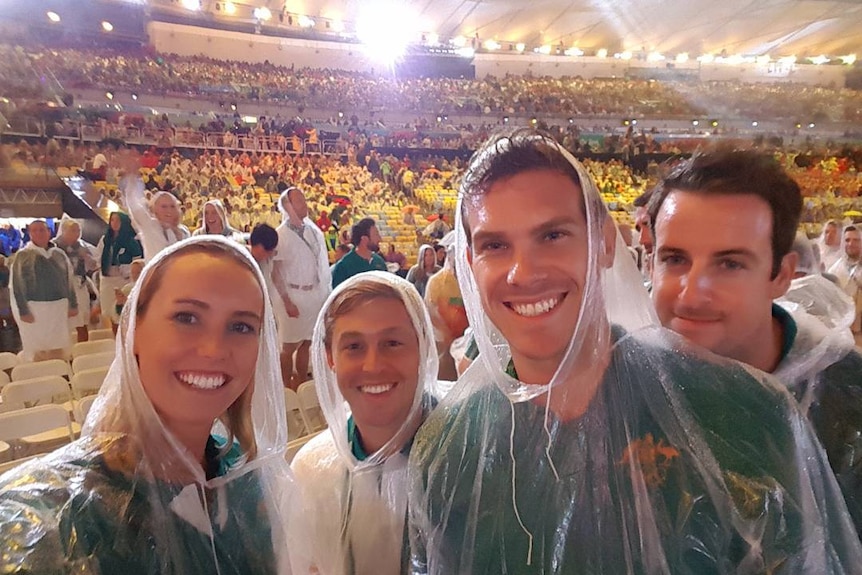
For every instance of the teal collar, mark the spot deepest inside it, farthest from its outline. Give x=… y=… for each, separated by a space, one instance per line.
x=788 y=329
x=355 y=441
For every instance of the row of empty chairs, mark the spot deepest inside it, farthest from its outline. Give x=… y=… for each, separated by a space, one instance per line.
x=43 y=404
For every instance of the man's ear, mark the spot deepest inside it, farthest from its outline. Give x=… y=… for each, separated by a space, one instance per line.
x=609 y=243
x=469 y=250
x=781 y=282
x=329 y=360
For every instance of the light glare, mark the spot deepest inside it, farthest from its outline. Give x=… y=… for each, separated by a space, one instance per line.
x=191 y=4
x=262 y=13
x=53 y=17
x=107 y=26
x=386 y=29
x=229 y=8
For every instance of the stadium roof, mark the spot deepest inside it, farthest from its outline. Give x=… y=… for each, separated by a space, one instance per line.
x=749 y=27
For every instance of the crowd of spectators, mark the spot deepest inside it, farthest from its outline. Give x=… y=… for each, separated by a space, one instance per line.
x=168 y=74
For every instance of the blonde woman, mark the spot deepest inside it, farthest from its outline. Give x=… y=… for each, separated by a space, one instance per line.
x=179 y=468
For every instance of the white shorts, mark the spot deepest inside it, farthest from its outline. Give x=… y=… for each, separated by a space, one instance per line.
x=48 y=331
x=297 y=329
x=107 y=298
x=83 y=317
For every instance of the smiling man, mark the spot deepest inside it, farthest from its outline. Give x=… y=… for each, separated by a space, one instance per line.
x=724 y=224
x=375 y=367
x=585 y=439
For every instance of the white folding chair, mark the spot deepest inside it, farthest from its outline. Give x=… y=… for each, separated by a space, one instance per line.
x=101 y=334
x=88 y=382
x=82 y=408
x=297 y=424
x=8 y=360
x=92 y=361
x=311 y=406
x=36 y=430
x=36 y=391
x=45 y=368
x=91 y=347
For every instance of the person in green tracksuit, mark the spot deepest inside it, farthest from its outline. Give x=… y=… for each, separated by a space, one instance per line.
x=715 y=279
x=585 y=438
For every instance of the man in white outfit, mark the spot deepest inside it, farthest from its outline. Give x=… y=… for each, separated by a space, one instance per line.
x=301 y=276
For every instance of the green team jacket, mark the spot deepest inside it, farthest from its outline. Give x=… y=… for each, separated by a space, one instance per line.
x=73 y=512
x=597 y=517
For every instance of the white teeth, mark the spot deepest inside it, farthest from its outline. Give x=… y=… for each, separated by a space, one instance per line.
x=534 y=309
x=203 y=381
x=376 y=389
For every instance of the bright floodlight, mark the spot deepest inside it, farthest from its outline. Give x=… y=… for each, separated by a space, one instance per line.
x=849 y=59
x=107 y=26
x=682 y=57
x=305 y=22
x=655 y=57
x=191 y=4
x=433 y=38
x=53 y=17
x=602 y=53
x=706 y=58
x=821 y=59
x=386 y=28
x=573 y=51
x=459 y=41
x=262 y=13
x=492 y=45
x=229 y=8
x=520 y=46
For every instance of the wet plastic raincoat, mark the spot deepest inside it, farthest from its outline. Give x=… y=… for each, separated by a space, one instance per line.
x=823 y=370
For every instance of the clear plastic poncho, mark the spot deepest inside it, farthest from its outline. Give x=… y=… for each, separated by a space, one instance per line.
x=127 y=497
x=226 y=229
x=681 y=463
x=823 y=370
x=357 y=509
